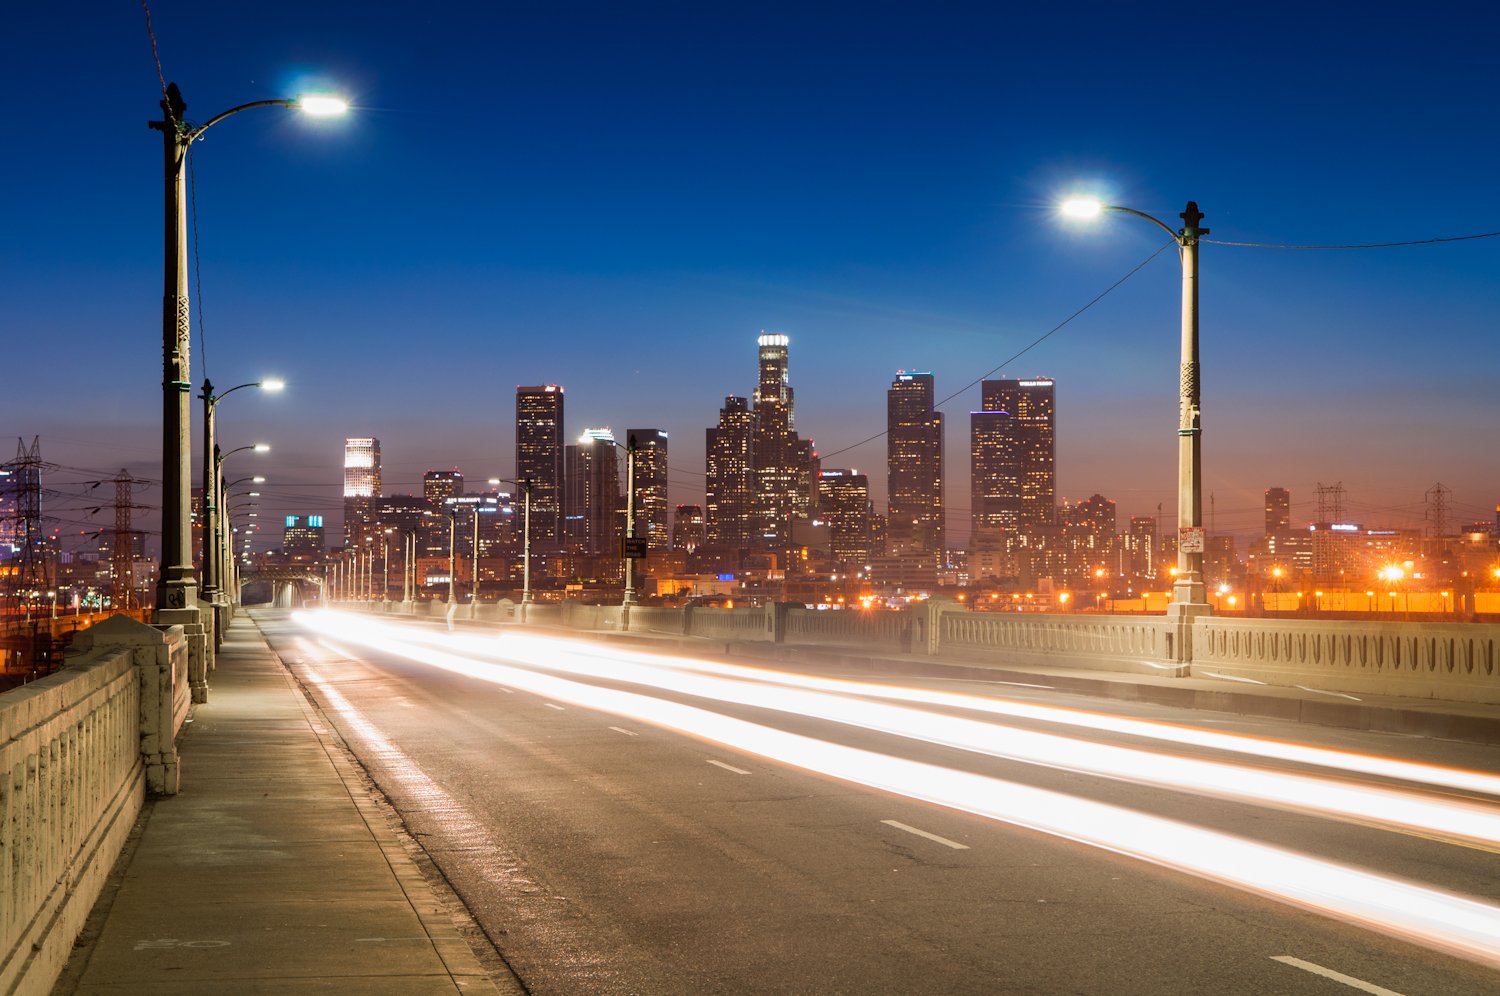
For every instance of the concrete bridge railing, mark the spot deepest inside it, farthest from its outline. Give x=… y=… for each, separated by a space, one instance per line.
x=78 y=751
x=1457 y=662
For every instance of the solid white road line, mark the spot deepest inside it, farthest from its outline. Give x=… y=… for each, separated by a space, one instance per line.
x=628 y=733
x=1328 y=973
x=930 y=836
x=727 y=767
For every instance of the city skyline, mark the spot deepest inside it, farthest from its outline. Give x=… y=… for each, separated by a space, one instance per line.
x=885 y=214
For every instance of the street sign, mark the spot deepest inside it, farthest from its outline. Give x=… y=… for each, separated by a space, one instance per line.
x=1190 y=539
x=633 y=547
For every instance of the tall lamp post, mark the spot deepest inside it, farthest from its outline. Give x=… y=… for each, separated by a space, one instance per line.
x=176 y=587
x=525 y=486
x=211 y=555
x=1189 y=593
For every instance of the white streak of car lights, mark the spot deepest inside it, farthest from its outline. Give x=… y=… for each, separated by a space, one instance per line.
x=1408 y=910
x=1302 y=792
x=1366 y=764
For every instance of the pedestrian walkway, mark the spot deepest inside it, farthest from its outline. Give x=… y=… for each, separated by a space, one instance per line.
x=272 y=871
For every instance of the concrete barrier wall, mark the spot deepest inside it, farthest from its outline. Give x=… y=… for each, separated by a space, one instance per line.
x=729 y=624
x=1457 y=662
x=889 y=630
x=1128 y=643
x=655 y=619
x=78 y=751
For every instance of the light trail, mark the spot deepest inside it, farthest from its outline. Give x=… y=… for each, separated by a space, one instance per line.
x=1298 y=792
x=1350 y=761
x=1408 y=910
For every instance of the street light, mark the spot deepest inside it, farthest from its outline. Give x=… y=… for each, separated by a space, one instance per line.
x=176 y=587
x=1189 y=595
x=525 y=486
x=211 y=537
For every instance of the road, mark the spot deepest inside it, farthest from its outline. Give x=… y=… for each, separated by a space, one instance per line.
x=618 y=823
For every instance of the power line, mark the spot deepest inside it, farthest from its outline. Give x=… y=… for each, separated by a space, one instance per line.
x=1365 y=245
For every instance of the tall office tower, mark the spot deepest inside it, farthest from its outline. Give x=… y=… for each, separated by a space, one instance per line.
x=1278 y=511
x=440 y=485
x=302 y=539
x=844 y=503
x=602 y=504
x=539 y=458
x=650 y=486
x=1013 y=446
x=784 y=484
x=574 y=523
x=361 y=488
x=730 y=459
x=687 y=527
x=914 y=469
x=1141 y=549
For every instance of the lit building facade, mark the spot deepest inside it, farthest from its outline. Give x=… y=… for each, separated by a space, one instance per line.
x=650 y=486
x=688 y=532
x=1278 y=511
x=361 y=488
x=440 y=485
x=730 y=485
x=302 y=539
x=844 y=503
x=1013 y=455
x=601 y=500
x=539 y=458
x=914 y=469
x=784 y=483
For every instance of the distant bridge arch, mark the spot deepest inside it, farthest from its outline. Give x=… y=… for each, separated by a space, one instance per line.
x=292 y=585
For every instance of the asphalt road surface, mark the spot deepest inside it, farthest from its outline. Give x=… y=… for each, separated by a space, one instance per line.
x=619 y=823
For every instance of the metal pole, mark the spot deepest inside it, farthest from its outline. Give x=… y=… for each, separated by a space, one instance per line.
x=385 y=566
x=176 y=586
x=474 y=598
x=210 y=498
x=1189 y=588
x=629 y=598
x=452 y=558
x=526 y=545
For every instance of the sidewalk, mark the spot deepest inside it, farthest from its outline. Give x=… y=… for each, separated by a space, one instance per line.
x=272 y=871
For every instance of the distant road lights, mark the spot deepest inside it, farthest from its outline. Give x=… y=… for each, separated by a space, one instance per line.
x=1188 y=589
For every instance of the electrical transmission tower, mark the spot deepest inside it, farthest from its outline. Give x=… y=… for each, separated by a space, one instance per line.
x=28 y=578
x=122 y=546
x=1437 y=508
x=1330 y=502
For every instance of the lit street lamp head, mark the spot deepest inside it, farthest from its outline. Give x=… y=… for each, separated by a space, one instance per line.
x=1082 y=207
x=272 y=384
x=262 y=447
x=321 y=105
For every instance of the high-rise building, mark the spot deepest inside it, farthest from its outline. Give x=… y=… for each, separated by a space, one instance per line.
x=1278 y=511
x=687 y=528
x=602 y=505
x=1141 y=548
x=574 y=523
x=302 y=539
x=844 y=503
x=361 y=488
x=730 y=487
x=539 y=458
x=784 y=483
x=650 y=486
x=1013 y=448
x=914 y=469
x=440 y=485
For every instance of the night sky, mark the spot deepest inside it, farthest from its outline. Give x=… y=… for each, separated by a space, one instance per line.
x=619 y=198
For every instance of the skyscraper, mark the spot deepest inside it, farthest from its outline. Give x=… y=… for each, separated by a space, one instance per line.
x=1013 y=448
x=914 y=468
x=602 y=505
x=650 y=486
x=361 y=488
x=440 y=485
x=1278 y=511
x=539 y=457
x=687 y=527
x=844 y=503
x=730 y=459
x=784 y=481
x=302 y=539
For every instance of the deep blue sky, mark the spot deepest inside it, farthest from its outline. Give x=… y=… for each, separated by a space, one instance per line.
x=619 y=198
